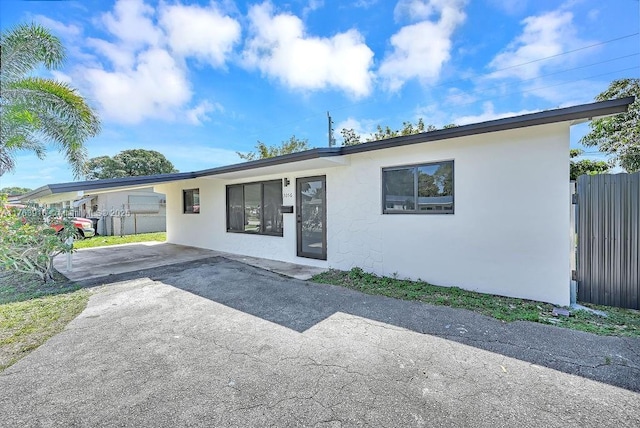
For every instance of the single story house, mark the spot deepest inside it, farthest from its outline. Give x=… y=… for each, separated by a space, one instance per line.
x=484 y=207
x=120 y=212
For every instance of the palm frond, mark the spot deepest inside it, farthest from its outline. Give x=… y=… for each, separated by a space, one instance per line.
x=58 y=99
x=34 y=110
x=7 y=162
x=17 y=133
x=58 y=113
x=24 y=47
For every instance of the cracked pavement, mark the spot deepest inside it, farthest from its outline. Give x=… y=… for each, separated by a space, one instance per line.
x=218 y=343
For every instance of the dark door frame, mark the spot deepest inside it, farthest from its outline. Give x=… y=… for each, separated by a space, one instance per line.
x=300 y=252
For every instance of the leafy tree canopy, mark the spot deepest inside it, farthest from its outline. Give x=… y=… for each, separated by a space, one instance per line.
x=14 y=190
x=350 y=137
x=35 y=111
x=128 y=163
x=619 y=135
x=292 y=145
x=585 y=166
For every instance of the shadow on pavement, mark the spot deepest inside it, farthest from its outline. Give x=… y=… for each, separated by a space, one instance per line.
x=299 y=305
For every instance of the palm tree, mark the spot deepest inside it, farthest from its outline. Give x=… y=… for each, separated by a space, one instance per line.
x=35 y=110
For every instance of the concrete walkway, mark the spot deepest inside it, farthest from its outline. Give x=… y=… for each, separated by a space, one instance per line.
x=92 y=263
x=214 y=342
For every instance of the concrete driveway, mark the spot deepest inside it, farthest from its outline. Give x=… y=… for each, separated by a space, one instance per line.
x=215 y=342
x=93 y=263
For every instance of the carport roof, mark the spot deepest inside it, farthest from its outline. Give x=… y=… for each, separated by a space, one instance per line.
x=574 y=114
x=105 y=185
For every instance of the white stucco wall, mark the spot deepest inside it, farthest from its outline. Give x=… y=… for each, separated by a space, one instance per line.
x=208 y=229
x=508 y=236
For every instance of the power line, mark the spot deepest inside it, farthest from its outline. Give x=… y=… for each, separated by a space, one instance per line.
x=581 y=66
x=548 y=86
x=448 y=82
x=547 y=75
x=580 y=80
x=568 y=52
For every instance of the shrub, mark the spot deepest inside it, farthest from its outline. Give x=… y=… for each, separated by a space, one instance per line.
x=28 y=243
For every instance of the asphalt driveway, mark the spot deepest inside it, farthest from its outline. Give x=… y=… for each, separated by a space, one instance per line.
x=215 y=342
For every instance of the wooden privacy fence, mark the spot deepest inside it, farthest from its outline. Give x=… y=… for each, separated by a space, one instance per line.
x=608 y=228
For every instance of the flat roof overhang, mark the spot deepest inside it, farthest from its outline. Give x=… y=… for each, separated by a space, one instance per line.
x=335 y=156
x=52 y=193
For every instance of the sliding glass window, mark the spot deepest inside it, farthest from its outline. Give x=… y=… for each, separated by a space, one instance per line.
x=255 y=208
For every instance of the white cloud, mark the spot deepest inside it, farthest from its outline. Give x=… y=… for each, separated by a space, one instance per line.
x=311 y=6
x=364 y=4
x=542 y=36
x=488 y=113
x=198 y=114
x=417 y=10
x=593 y=14
x=280 y=49
x=420 y=49
x=362 y=127
x=202 y=32
x=459 y=97
x=141 y=71
x=58 y=27
x=155 y=87
x=61 y=77
x=132 y=23
x=436 y=114
x=118 y=55
x=563 y=93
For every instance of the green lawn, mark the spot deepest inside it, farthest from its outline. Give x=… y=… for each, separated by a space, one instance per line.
x=101 y=241
x=32 y=312
x=619 y=322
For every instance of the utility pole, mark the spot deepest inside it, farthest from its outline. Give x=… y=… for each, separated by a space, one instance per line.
x=332 y=141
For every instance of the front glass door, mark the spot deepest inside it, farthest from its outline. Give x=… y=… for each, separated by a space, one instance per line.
x=311 y=217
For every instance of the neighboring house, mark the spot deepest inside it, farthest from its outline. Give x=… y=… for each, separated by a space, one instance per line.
x=122 y=212
x=484 y=207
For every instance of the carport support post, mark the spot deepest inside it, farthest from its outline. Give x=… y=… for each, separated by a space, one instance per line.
x=69 y=241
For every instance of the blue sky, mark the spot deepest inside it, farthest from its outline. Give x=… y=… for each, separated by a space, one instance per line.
x=199 y=80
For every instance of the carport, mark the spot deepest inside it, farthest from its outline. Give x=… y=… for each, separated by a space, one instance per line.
x=92 y=263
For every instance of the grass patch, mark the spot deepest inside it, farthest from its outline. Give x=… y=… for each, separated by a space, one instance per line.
x=103 y=241
x=26 y=325
x=18 y=287
x=619 y=322
x=31 y=312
